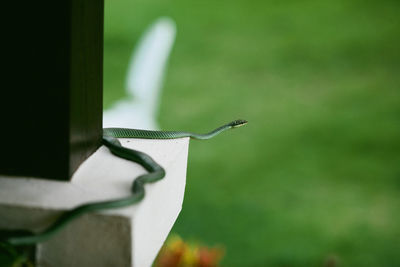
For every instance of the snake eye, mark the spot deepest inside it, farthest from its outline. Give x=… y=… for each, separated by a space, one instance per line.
x=238 y=123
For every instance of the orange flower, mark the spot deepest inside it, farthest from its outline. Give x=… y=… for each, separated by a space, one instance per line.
x=177 y=253
x=209 y=257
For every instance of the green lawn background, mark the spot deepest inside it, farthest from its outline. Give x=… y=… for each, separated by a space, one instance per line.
x=315 y=175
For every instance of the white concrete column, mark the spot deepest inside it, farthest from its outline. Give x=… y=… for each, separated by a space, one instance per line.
x=129 y=236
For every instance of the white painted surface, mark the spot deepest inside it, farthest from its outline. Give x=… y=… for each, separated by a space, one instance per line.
x=129 y=236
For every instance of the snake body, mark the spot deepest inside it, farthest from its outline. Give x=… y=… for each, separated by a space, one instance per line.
x=155 y=173
x=146 y=134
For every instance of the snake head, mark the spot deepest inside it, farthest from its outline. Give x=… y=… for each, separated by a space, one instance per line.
x=238 y=123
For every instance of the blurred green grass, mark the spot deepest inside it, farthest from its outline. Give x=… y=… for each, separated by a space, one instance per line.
x=315 y=175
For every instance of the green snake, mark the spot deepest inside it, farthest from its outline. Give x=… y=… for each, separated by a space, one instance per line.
x=155 y=173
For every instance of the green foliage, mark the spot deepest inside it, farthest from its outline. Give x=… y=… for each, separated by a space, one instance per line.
x=12 y=257
x=315 y=174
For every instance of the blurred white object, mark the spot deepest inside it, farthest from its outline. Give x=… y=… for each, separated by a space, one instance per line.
x=144 y=79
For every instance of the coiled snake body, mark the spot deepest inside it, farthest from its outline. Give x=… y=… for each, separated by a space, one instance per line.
x=155 y=173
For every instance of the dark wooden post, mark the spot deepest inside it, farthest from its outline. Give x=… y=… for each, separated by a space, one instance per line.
x=51 y=97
